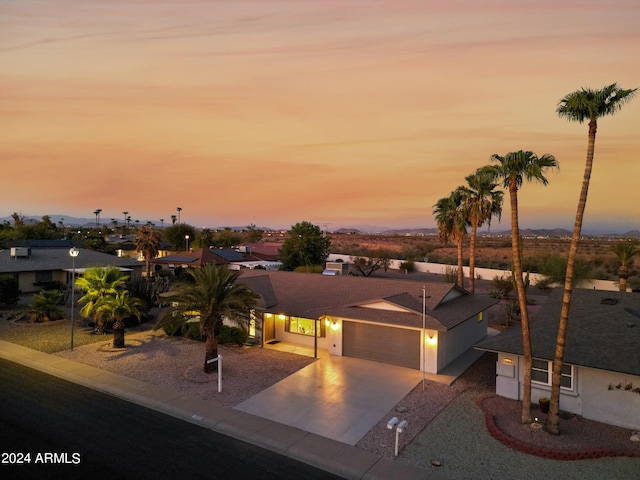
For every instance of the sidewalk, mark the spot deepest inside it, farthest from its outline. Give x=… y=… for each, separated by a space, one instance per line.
x=329 y=455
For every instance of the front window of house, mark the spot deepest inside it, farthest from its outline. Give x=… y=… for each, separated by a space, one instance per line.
x=541 y=371
x=304 y=326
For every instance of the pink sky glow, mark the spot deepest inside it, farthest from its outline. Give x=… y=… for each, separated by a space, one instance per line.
x=339 y=112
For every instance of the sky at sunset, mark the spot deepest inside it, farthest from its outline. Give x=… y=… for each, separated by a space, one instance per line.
x=338 y=112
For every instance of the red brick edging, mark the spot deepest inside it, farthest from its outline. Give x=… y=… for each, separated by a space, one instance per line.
x=555 y=454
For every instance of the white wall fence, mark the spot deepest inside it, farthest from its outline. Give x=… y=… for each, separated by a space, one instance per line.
x=483 y=273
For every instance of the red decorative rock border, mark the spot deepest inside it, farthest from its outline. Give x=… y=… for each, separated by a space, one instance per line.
x=555 y=454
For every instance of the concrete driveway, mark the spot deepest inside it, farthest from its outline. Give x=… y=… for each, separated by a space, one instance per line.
x=340 y=398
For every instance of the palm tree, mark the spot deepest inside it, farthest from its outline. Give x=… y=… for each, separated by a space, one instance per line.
x=118 y=307
x=452 y=224
x=625 y=251
x=482 y=202
x=148 y=242
x=513 y=169
x=212 y=295
x=578 y=106
x=98 y=283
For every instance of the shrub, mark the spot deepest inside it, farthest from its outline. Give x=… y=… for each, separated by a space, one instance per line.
x=309 y=269
x=9 y=290
x=234 y=335
x=45 y=306
x=450 y=274
x=409 y=266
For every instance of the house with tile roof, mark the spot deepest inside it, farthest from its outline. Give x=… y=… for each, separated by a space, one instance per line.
x=37 y=263
x=601 y=375
x=235 y=259
x=425 y=326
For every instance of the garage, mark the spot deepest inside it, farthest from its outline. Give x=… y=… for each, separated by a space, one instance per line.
x=380 y=343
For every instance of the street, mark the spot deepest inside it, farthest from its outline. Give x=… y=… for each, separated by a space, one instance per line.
x=50 y=428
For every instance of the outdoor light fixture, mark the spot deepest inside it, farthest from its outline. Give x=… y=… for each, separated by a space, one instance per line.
x=73 y=252
x=399 y=426
x=431 y=340
x=335 y=325
x=186 y=240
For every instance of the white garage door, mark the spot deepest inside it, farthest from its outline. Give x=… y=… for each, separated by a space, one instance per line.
x=397 y=346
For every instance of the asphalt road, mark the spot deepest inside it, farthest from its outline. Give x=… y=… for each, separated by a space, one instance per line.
x=61 y=430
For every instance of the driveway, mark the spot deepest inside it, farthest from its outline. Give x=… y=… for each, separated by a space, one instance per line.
x=340 y=398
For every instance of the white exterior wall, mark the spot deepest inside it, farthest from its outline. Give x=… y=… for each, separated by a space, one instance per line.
x=591 y=397
x=455 y=342
x=484 y=273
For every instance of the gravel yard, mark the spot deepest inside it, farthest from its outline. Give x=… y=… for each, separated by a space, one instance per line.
x=446 y=423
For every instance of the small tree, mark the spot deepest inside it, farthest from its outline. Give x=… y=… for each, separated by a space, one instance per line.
x=625 y=251
x=118 y=307
x=367 y=265
x=175 y=236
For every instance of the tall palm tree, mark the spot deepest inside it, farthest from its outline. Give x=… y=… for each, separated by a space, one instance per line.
x=579 y=106
x=482 y=202
x=148 y=242
x=625 y=251
x=98 y=283
x=452 y=224
x=213 y=294
x=513 y=169
x=118 y=307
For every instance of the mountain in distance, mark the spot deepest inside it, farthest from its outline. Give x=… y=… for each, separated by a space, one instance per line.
x=86 y=222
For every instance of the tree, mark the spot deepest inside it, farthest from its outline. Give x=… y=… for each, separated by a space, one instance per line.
x=305 y=246
x=513 y=169
x=452 y=225
x=118 y=307
x=482 y=202
x=98 y=283
x=213 y=295
x=578 y=106
x=226 y=238
x=148 y=242
x=175 y=236
x=253 y=234
x=376 y=260
x=625 y=251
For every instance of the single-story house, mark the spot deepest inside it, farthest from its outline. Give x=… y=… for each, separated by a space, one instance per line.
x=235 y=259
x=38 y=263
x=424 y=326
x=601 y=373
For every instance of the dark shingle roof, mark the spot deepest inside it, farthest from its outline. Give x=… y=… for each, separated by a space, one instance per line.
x=311 y=296
x=42 y=259
x=599 y=335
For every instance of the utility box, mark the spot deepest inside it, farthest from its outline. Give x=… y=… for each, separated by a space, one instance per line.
x=20 y=252
x=336 y=268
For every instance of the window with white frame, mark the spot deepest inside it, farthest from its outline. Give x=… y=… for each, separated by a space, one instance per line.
x=541 y=373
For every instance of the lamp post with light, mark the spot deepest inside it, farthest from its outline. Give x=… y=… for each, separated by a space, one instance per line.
x=73 y=252
x=186 y=241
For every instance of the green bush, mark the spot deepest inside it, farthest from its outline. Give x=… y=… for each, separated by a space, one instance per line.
x=235 y=335
x=9 y=290
x=45 y=306
x=409 y=266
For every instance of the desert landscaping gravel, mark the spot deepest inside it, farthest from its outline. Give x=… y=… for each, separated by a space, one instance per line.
x=446 y=425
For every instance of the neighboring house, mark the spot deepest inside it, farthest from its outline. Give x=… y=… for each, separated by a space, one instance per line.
x=376 y=319
x=39 y=263
x=601 y=375
x=234 y=259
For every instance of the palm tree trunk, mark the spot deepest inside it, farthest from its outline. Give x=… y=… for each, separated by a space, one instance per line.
x=623 y=274
x=211 y=352
x=472 y=257
x=522 y=301
x=118 y=334
x=553 y=419
x=460 y=266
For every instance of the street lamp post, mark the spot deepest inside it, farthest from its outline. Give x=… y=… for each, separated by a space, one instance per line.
x=73 y=252
x=186 y=241
x=179 y=209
